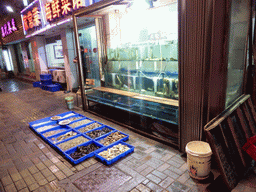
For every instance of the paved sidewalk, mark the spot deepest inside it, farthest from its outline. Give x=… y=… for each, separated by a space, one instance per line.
x=27 y=163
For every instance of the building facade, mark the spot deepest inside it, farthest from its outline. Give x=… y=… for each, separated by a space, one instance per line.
x=148 y=58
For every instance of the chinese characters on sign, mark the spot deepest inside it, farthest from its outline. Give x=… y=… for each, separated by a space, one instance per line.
x=32 y=18
x=8 y=28
x=60 y=8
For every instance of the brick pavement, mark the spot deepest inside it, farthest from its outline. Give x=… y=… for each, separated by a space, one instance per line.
x=27 y=163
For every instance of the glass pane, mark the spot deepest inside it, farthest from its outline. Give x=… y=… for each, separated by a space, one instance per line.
x=143 y=49
x=54 y=52
x=30 y=59
x=89 y=49
x=237 y=44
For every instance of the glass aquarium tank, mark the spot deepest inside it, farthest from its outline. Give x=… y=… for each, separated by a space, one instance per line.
x=143 y=49
x=239 y=24
x=140 y=75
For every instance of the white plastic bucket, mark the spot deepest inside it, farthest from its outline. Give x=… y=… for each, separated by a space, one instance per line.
x=199 y=159
x=70 y=102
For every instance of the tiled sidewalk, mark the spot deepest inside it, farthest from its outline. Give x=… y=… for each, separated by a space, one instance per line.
x=27 y=163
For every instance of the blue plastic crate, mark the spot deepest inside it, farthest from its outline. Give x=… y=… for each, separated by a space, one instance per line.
x=103 y=137
x=73 y=118
x=44 y=87
x=46 y=82
x=45 y=127
x=45 y=77
x=36 y=84
x=99 y=128
x=67 y=114
x=40 y=122
x=76 y=161
x=59 y=128
x=59 y=85
x=81 y=127
x=67 y=140
x=73 y=123
x=53 y=139
x=111 y=161
x=53 y=88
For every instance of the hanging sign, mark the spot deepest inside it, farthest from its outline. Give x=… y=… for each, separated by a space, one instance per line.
x=31 y=17
x=60 y=8
x=8 y=28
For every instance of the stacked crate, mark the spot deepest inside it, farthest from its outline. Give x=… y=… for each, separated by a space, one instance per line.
x=45 y=83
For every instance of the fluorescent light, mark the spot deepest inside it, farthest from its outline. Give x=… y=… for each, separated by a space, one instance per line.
x=25 y=2
x=9 y=8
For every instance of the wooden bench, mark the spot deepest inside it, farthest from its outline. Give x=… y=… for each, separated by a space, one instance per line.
x=227 y=133
x=88 y=85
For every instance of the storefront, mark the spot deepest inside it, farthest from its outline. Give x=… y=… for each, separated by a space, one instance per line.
x=146 y=59
x=12 y=37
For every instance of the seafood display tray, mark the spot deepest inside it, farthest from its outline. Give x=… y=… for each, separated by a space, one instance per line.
x=111 y=161
x=106 y=135
x=76 y=161
x=49 y=124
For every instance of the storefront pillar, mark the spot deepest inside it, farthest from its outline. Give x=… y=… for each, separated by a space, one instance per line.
x=202 y=66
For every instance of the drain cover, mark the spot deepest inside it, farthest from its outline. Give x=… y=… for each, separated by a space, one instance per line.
x=104 y=179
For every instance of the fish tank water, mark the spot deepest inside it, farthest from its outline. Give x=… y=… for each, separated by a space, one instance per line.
x=140 y=73
x=145 y=59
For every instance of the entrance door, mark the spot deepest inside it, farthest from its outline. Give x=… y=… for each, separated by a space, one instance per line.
x=89 y=37
x=90 y=47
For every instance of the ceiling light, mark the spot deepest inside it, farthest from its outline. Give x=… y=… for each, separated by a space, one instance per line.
x=25 y=2
x=9 y=8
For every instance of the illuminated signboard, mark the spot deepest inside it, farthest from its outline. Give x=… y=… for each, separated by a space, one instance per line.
x=31 y=17
x=8 y=28
x=59 y=8
x=41 y=15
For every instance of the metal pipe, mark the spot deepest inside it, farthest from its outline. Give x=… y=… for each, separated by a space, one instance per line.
x=80 y=67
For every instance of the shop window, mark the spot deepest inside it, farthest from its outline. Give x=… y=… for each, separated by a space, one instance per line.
x=143 y=48
x=89 y=52
x=54 y=52
x=237 y=45
x=7 y=59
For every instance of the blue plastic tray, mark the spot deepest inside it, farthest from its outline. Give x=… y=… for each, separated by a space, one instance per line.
x=74 y=116
x=111 y=161
x=45 y=77
x=46 y=82
x=36 y=84
x=53 y=139
x=80 y=127
x=66 y=128
x=76 y=161
x=53 y=87
x=44 y=128
x=43 y=121
x=62 y=129
x=62 y=150
x=70 y=125
x=102 y=137
x=99 y=128
x=66 y=113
